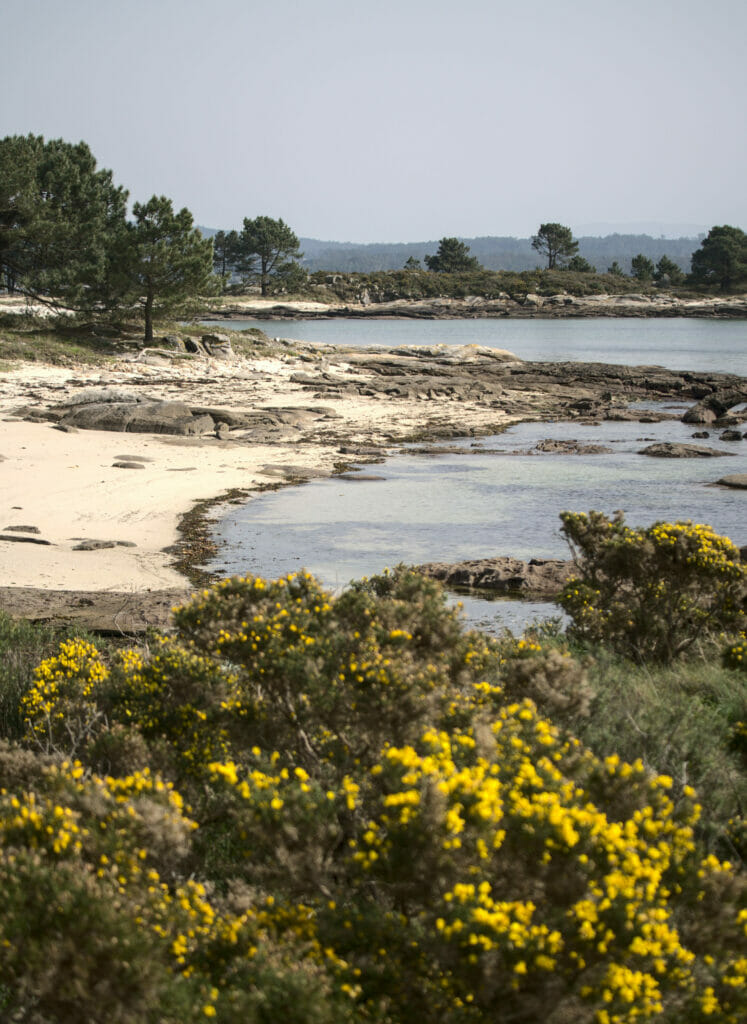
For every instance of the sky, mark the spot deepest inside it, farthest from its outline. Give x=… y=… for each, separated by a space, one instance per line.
x=397 y=120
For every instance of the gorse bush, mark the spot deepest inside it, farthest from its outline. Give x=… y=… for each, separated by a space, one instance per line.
x=651 y=593
x=347 y=810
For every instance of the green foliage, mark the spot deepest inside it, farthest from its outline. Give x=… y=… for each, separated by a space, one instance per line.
x=452 y=257
x=679 y=720
x=226 y=255
x=381 y=826
x=651 y=593
x=579 y=265
x=615 y=269
x=722 y=257
x=556 y=242
x=60 y=220
x=164 y=261
x=667 y=272
x=735 y=655
x=387 y=286
x=642 y=268
x=23 y=645
x=268 y=251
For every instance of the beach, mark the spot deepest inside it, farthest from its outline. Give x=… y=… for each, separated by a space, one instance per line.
x=92 y=511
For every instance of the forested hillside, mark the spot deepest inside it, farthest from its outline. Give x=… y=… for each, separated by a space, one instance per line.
x=494 y=253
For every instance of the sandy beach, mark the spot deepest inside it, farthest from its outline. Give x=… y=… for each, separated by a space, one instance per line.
x=97 y=511
x=67 y=487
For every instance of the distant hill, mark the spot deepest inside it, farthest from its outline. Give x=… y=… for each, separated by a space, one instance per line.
x=493 y=252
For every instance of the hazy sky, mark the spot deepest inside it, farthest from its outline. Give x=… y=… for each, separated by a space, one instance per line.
x=396 y=120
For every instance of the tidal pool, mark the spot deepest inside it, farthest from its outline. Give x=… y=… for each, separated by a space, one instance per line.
x=451 y=507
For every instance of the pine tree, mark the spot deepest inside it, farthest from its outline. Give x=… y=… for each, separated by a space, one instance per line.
x=268 y=249
x=165 y=261
x=556 y=242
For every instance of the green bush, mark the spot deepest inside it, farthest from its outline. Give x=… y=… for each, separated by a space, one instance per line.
x=735 y=655
x=680 y=720
x=23 y=645
x=381 y=826
x=651 y=593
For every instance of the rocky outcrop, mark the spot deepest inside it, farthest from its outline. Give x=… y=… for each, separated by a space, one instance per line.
x=540 y=578
x=101 y=611
x=139 y=417
x=631 y=304
x=738 y=480
x=715 y=406
x=117 y=409
x=674 y=450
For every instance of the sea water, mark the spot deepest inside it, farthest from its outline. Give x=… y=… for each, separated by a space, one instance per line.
x=677 y=343
x=485 y=502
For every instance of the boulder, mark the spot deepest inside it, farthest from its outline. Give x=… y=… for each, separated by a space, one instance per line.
x=99 y=396
x=675 y=450
x=571 y=447
x=714 y=406
x=730 y=435
x=738 y=480
x=218 y=346
x=140 y=418
x=541 y=578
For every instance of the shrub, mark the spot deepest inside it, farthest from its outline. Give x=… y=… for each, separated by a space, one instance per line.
x=650 y=593
x=735 y=655
x=382 y=833
x=22 y=646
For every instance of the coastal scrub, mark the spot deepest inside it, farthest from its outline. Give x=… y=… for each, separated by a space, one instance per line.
x=341 y=809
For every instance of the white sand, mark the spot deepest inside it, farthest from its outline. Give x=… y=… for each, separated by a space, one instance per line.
x=65 y=484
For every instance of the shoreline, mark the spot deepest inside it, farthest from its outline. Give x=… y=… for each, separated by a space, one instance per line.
x=533 y=306
x=313 y=410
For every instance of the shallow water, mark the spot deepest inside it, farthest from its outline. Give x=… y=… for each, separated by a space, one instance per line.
x=453 y=507
x=677 y=343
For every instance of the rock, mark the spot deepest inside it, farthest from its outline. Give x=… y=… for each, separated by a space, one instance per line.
x=736 y=480
x=359 y=476
x=222 y=430
x=103 y=395
x=22 y=529
x=140 y=418
x=537 y=578
x=23 y=538
x=127 y=465
x=701 y=433
x=172 y=341
x=730 y=435
x=533 y=301
x=555 y=447
x=347 y=449
x=714 y=406
x=674 y=450
x=218 y=346
x=169 y=418
x=65 y=428
x=106 y=612
x=98 y=545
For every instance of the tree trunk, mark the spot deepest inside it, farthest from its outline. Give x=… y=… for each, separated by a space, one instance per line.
x=149 y=315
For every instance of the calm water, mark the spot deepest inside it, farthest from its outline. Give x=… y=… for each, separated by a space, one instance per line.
x=677 y=343
x=451 y=507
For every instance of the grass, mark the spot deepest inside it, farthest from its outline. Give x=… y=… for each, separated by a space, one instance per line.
x=679 y=720
x=33 y=340
x=23 y=645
